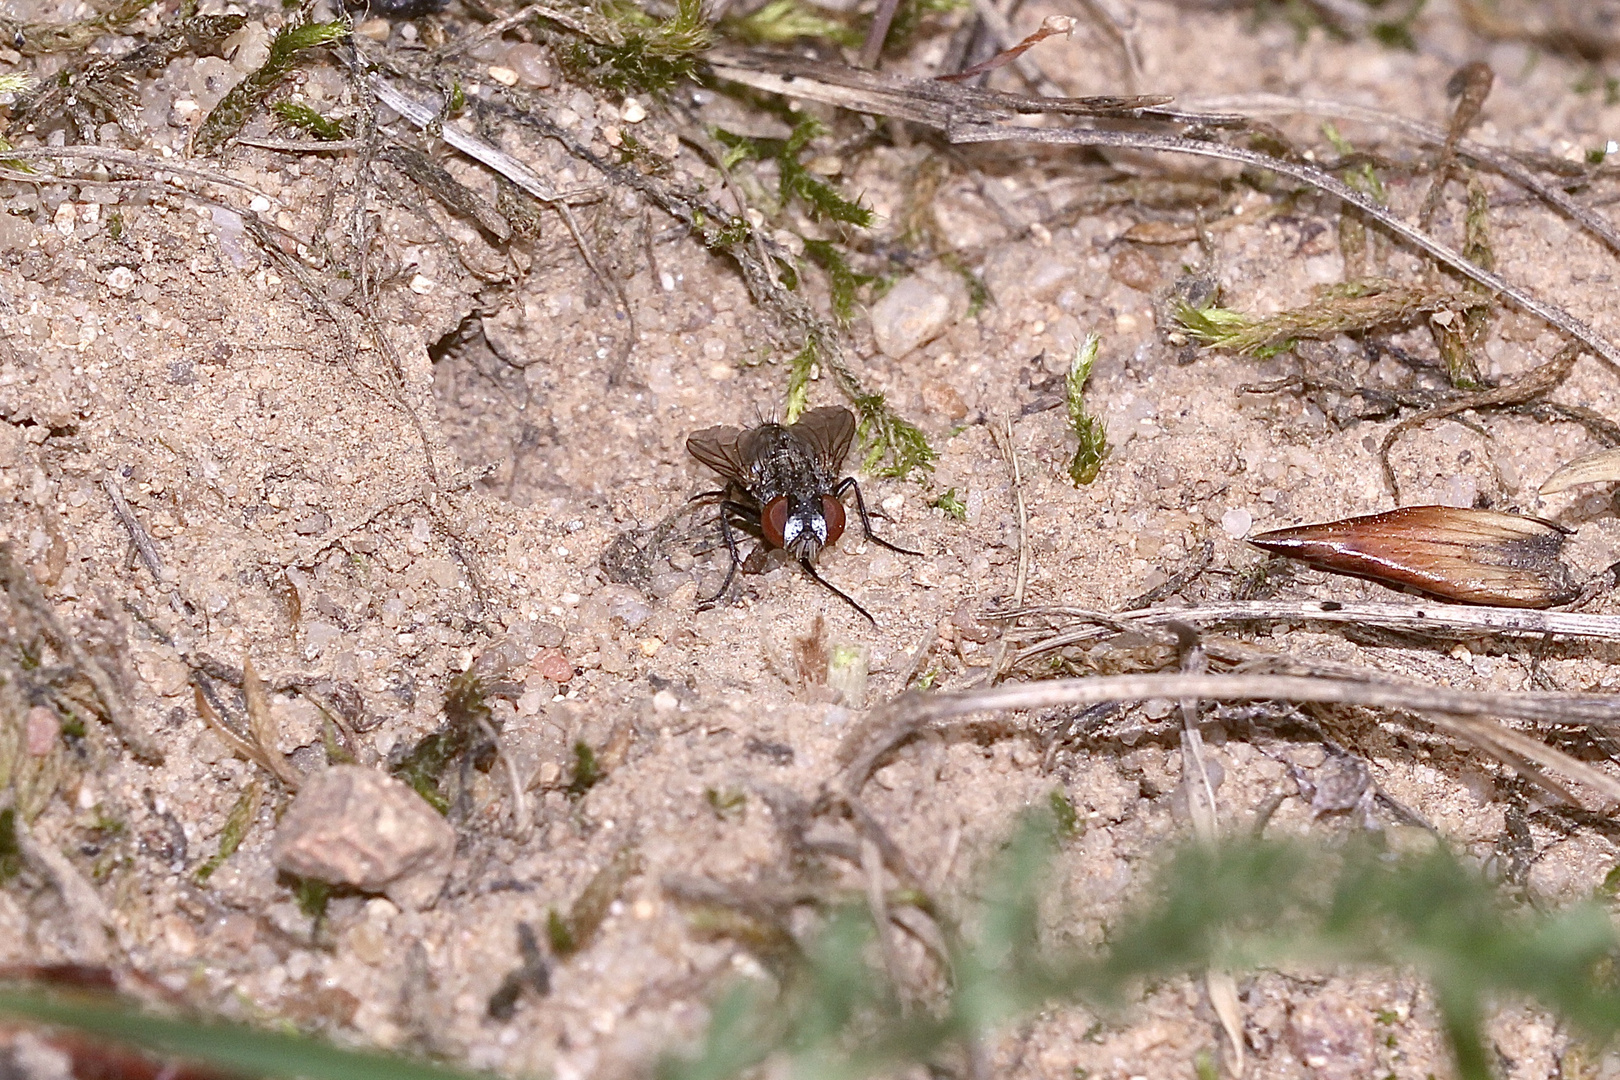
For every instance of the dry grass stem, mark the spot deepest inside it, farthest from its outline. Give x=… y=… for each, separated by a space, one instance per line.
x=1551 y=314
x=1498 y=161
x=144 y=545
x=888 y=726
x=1433 y=619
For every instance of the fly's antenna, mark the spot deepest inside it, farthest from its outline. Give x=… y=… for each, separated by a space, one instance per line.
x=835 y=590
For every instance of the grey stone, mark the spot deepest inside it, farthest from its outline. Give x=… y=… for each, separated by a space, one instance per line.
x=915 y=312
x=355 y=826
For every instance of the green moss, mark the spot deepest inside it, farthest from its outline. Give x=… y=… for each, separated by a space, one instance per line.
x=307 y=119
x=819 y=199
x=891 y=445
x=236 y=107
x=1090 y=430
x=952 y=504
x=631 y=53
x=312 y=897
x=571 y=933
x=842 y=281
x=237 y=823
x=467 y=712
x=587 y=771
x=782 y=22
x=1340 y=309
x=799 y=375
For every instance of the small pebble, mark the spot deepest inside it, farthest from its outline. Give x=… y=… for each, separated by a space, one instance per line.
x=355 y=826
x=503 y=75
x=120 y=280
x=911 y=314
x=553 y=665
x=1237 y=523
x=41 y=731
x=634 y=112
x=530 y=63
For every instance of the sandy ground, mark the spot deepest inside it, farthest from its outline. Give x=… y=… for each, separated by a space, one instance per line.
x=377 y=544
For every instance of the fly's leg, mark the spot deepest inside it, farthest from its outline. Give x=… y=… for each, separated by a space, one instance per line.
x=727 y=508
x=848 y=484
x=836 y=591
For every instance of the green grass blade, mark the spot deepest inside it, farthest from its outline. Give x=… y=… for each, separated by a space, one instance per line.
x=229 y=1046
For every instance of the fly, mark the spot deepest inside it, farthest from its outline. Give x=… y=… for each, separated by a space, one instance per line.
x=783 y=484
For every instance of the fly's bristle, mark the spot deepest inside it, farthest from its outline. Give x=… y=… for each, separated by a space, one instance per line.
x=1466 y=555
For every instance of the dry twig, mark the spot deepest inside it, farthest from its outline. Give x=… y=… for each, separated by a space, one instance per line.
x=1433 y=619
x=887 y=727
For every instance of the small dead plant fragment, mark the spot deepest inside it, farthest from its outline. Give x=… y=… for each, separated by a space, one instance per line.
x=1339 y=309
x=1535 y=384
x=533 y=973
x=1601 y=467
x=1471 y=556
x=256 y=744
x=1460 y=336
x=1090 y=430
x=102 y=88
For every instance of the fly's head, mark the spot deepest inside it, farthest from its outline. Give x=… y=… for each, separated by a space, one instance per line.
x=802 y=526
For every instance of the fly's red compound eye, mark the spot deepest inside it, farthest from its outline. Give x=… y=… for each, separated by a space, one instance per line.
x=833 y=511
x=772 y=520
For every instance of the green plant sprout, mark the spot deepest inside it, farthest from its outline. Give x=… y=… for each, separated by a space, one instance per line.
x=842 y=281
x=1234 y=906
x=1090 y=430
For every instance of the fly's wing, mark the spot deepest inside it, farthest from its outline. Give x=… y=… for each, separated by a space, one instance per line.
x=829 y=432
x=1475 y=556
x=717 y=448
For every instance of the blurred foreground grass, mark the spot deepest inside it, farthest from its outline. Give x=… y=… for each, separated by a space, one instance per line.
x=1238 y=906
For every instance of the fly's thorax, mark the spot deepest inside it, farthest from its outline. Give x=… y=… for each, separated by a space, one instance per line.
x=784 y=467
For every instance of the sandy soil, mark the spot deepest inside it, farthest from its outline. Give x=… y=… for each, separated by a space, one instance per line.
x=376 y=544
